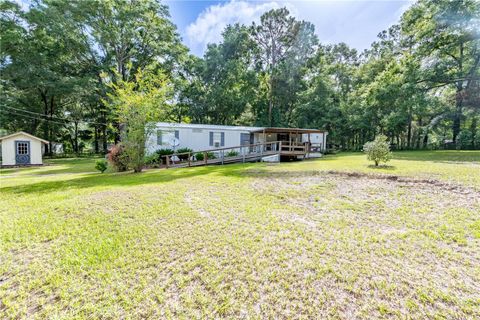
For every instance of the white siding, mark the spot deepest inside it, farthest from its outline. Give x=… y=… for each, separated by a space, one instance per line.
x=197 y=136
x=8 y=150
x=317 y=139
x=194 y=138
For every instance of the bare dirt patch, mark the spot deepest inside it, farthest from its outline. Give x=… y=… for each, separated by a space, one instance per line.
x=399 y=242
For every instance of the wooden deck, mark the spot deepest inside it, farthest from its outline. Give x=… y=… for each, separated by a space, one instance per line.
x=236 y=154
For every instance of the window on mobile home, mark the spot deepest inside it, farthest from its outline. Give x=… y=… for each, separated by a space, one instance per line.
x=217 y=139
x=159 y=137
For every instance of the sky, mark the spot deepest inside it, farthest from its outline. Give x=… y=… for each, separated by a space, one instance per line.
x=355 y=22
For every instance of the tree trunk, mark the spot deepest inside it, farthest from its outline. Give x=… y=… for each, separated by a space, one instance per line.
x=409 y=131
x=47 y=123
x=75 y=139
x=270 y=102
x=50 y=137
x=104 y=131
x=419 y=133
x=473 y=129
x=425 y=139
x=457 y=116
x=96 y=139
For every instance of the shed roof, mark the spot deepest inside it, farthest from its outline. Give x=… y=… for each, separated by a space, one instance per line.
x=24 y=133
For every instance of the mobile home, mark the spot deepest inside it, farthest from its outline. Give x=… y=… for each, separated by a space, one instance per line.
x=201 y=137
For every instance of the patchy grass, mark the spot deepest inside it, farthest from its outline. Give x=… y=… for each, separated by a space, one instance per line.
x=330 y=238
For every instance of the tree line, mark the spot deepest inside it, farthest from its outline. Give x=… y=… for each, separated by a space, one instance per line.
x=418 y=84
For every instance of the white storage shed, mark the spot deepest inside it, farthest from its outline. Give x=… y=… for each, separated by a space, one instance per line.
x=21 y=149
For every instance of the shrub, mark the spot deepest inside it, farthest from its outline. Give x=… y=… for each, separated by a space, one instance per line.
x=101 y=165
x=232 y=153
x=378 y=150
x=163 y=152
x=199 y=156
x=465 y=139
x=152 y=159
x=184 y=150
x=118 y=158
x=156 y=157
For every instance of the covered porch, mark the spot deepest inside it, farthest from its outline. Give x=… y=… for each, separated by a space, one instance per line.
x=295 y=142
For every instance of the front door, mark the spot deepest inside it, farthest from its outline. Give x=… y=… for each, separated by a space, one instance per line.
x=22 y=152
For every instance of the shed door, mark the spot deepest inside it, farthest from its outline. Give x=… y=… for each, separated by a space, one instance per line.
x=22 y=152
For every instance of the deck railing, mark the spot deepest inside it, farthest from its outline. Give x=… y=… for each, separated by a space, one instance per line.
x=294 y=148
x=240 y=153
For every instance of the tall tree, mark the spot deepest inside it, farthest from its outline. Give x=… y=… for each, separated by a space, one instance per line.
x=447 y=37
x=138 y=104
x=275 y=35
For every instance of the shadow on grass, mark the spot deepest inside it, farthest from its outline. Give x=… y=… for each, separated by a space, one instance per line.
x=55 y=166
x=127 y=178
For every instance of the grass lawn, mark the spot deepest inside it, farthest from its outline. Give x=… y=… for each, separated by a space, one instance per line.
x=328 y=238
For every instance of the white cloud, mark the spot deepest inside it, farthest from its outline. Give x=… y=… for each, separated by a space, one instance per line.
x=209 y=25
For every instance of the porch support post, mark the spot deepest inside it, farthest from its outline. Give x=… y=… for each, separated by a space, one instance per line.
x=309 y=144
x=264 y=139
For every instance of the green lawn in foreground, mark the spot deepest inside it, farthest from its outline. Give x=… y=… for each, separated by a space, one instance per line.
x=330 y=238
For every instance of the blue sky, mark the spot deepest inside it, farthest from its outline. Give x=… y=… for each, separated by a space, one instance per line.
x=355 y=22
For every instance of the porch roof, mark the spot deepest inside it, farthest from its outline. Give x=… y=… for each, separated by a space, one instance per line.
x=288 y=130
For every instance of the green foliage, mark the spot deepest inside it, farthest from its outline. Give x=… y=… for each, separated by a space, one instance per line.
x=156 y=158
x=378 y=150
x=284 y=46
x=138 y=104
x=465 y=139
x=199 y=156
x=53 y=54
x=152 y=159
x=184 y=150
x=118 y=158
x=164 y=152
x=101 y=165
x=232 y=153
x=418 y=83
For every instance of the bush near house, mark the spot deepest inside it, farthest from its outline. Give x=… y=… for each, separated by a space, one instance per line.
x=156 y=158
x=378 y=150
x=232 y=153
x=118 y=158
x=183 y=150
x=199 y=156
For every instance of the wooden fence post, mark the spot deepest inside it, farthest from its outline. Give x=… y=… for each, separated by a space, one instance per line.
x=189 y=159
x=205 y=157
x=168 y=161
